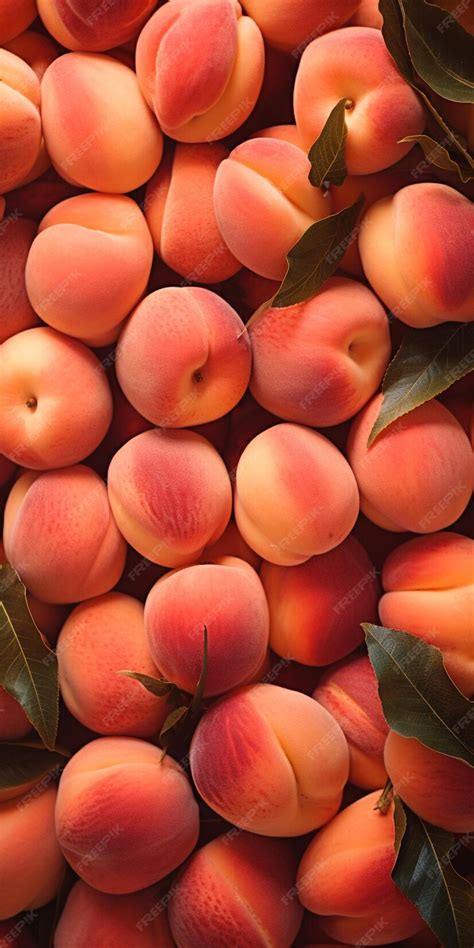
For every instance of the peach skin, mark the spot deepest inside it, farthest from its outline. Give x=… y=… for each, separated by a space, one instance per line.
x=231 y=543
x=16 y=312
x=291 y=24
x=270 y=760
x=15 y=16
x=20 y=122
x=125 y=816
x=295 y=495
x=90 y=917
x=91 y=26
x=35 y=49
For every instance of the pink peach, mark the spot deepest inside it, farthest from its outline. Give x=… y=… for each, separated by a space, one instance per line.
x=20 y=122
x=138 y=920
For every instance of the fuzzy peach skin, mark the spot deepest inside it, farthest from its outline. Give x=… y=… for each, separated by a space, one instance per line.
x=55 y=401
x=231 y=543
x=270 y=760
x=90 y=917
x=91 y=26
x=183 y=357
x=427 y=228
x=354 y=63
x=20 y=122
x=125 y=816
x=35 y=49
x=200 y=66
x=179 y=208
x=264 y=202
x=440 y=789
x=429 y=591
x=27 y=829
x=319 y=362
x=291 y=24
x=60 y=535
x=114 y=144
x=170 y=494
x=316 y=608
x=16 y=312
x=99 y=639
x=295 y=495
x=234 y=891
x=89 y=290
x=357 y=846
x=15 y=16
x=228 y=599
x=14 y=724
x=349 y=692
x=430 y=441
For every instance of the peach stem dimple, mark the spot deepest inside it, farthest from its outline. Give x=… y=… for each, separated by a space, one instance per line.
x=32 y=403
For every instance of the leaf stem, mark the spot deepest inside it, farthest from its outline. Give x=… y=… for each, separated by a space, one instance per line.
x=385 y=799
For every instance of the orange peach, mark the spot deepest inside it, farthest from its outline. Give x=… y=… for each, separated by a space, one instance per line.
x=35 y=49
x=137 y=920
x=291 y=24
x=437 y=468
x=270 y=760
x=16 y=313
x=170 y=494
x=125 y=816
x=295 y=495
x=13 y=721
x=231 y=543
x=20 y=122
x=91 y=25
x=15 y=16
x=60 y=535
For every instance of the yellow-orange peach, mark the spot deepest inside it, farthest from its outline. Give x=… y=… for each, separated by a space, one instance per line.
x=125 y=816
x=35 y=49
x=295 y=495
x=316 y=608
x=15 y=16
x=270 y=760
x=200 y=67
x=231 y=543
x=319 y=362
x=354 y=63
x=89 y=290
x=137 y=920
x=234 y=890
x=437 y=468
x=114 y=144
x=27 y=828
x=13 y=721
x=16 y=312
x=170 y=494
x=92 y=26
x=427 y=228
x=60 y=535
x=291 y=24
x=20 y=122
x=183 y=357
x=345 y=875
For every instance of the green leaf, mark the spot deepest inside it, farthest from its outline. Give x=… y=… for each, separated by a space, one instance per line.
x=169 y=726
x=440 y=49
x=317 y=255
x=426 y=364
x=27 y=763
x=423 y=871
x=199 y=693
x=157 y=686
x=28 y=668
x=327 y=154
x=419 y=698
x=438 y=155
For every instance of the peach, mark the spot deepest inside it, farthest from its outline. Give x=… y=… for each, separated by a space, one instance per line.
x=27 y=828
x=319 y=362
x=355 y=64
x=183 y=357
x=20 y=126
x=114 y=144
x=428 y=439
x=246 y=421
x=55 y=401
x=179 y=208
x=231 y=543
x=48 y=617
x=35 y=199
x=316 y=608
x=200 y=66
x=367 y=14
x=264 y=202
x=16 y=313
x=440 y=789
x=99 y=639
x=35 y=49
x=60 y=535
x=14 y=724
x=295 y=495
x=170 y=494
x=270 y=760
x=125 y=816
x=429 y=592
x=291 y=24
x=88 y=291
x=427 y=228
x=234 y=891
x=92 y=26
x=138 y=920
x=345 y=875
x=15 y=16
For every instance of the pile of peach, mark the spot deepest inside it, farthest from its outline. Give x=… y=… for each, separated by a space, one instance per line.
x=164 y=469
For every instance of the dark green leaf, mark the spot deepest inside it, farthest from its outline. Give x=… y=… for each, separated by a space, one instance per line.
x=440 y=49
x=28 y=668
x=423 y=871
x=438 y=155
x=327 y=154
x=157 y=686
x=199 y=693
x=418 y=697
x=426 y=364
x=317 y=255
x=27 y=763
x=172 y=720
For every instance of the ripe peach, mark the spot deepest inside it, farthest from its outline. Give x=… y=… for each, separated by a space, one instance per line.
x=295 y=495
x=15 y=16
x=48 y=617
x=16 y=313
x=318 y=363
x=183 y=357
x=137 y=920
x=291 y=24
x=367 y=14
x=60 y=536
x=170 y=494
x=20 y=122
x=270 y=760
x=427 y=228
x=92 y=26
x=231 y=543
x=246 y=421
x=13 y=721
x=88 y=291
x=35 y=49
x=125 y=816
x=114 y=144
